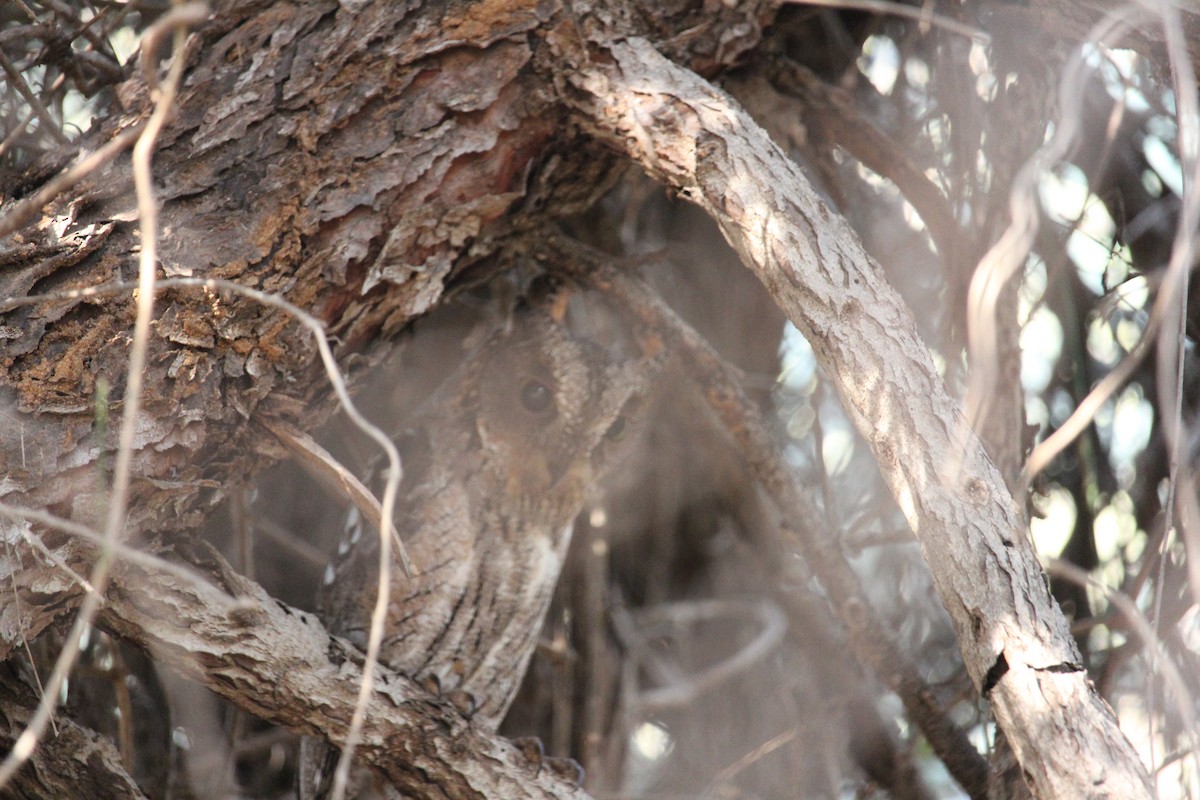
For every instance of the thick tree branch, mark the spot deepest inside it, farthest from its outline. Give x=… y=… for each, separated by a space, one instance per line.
x=1014 y=640
x=281 y=665
x=358 y=180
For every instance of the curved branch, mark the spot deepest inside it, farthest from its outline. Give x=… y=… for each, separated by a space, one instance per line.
x=1014 y=640
x=280 y=664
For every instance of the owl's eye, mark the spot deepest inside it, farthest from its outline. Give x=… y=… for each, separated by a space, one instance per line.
x=536 y=396
x=616 y=430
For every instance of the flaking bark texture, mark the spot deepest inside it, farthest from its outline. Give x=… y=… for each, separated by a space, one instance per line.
x=354 y=159
x=346 y=177
x=75 y=762
x=358 y=159
x=281 y=665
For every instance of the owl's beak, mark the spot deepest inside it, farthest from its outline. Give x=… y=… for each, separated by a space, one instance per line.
x=558 y=468
x=541 y=476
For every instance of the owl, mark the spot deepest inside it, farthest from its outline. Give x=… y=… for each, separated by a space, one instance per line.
x=496 y=465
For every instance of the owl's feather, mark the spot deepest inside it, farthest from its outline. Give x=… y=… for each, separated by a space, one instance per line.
x=498 y=463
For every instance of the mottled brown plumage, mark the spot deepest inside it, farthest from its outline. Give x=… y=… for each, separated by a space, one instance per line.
x=497 y=462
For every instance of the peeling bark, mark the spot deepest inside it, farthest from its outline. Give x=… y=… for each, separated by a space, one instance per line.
x=355 y=159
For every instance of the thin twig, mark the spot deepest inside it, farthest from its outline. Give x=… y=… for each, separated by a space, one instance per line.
x=15 y=133
x=1185 y=703
x=394 y=473
x=24 y=211
x=123 y=551
x=37 y=679
x=422 y=743
x=1007 y=256
x=1174 y=297
x=1089 y=406
x=287 y=539
x=316 y=328
x=1175 y=287
x=341 y=482
x=50 y=124
x=833 y=109
x=757 y=754
x=48 y=554
x=683 y=689
x=97 y=41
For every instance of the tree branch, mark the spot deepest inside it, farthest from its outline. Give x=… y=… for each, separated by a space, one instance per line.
x=1014 y=640
x=872 y=644
x=280 y=664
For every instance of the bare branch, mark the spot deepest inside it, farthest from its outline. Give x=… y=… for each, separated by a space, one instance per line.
x=1015 y=643
x=872 y=644
x=280 y=664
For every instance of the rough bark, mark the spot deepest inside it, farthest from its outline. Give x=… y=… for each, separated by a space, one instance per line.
x=74 y=762
x=299 y=162
x=353 y=158
x=281 y=665
x=356 y=159
x=1014 y=640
